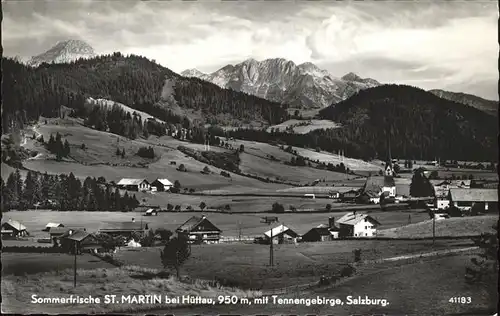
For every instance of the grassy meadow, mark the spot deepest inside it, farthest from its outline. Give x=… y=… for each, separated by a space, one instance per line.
x=247 y=265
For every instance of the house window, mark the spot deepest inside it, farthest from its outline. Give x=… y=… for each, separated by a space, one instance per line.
x=355 y=235
x=366 y=234
x=366 y=227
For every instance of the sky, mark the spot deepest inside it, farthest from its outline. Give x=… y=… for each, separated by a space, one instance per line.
x=449 y=45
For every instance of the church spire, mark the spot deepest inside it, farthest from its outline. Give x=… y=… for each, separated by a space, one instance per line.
x=389 y=171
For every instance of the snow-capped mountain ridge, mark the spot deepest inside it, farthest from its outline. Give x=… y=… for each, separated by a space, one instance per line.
x=277 y=79
x=64 y=52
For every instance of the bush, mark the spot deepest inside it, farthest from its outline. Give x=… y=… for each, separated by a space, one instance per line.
x=182 y=168
x=278 y=208
x=177 y=208
x=347 y=271
x=357 y=255
x=146 y=152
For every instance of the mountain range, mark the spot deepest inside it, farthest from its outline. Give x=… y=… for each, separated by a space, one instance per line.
x=64 y=52
x=281 y=80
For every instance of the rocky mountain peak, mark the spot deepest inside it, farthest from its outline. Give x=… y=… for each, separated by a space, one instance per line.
x=63 y=52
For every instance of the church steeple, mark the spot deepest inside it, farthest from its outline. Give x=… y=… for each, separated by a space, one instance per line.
x=389 y=170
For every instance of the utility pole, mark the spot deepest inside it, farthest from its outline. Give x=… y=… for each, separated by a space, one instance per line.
x=269 y=220
x=433 y=228
x=74 y=275
x=239 y=230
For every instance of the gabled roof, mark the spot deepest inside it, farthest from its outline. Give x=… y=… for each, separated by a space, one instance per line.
x=353 y=219
x=49 y=225
x=15 y=224
x=474 y=195
x=131 y=181
x=77 y=236
x=164 y=182
x=151 y=210
x=281 y=229
x=193 y=222
x=322 y=231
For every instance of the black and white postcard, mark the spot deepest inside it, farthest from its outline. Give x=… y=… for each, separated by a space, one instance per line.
x=249 y=157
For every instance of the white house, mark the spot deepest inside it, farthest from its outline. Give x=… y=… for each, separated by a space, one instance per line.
x=161 y=185
x=134 y=184
x=51 y=225
x=281 y=234
x=357 y=225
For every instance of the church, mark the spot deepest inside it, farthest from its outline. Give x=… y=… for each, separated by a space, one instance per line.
x=375 y=186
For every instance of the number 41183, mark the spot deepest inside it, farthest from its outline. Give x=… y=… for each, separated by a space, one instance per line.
x=460 y=300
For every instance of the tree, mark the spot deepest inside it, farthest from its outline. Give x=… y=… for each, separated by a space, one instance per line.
x=278 y=208
x=123 y=153
x=434 y=175
x=206 y=170
x=202 y=205
x=485 y=267
x=175 y=253
x=397 y=168
x=420 y=186
x=182 y=168
x=83 y=147
x=242 y=148
x=66 y=149
x=147 y=240
x=170 y=207
x=164 y=234
x=328 y=207
x=177 y=184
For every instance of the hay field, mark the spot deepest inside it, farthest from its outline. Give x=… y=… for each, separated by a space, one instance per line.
x=351 y=163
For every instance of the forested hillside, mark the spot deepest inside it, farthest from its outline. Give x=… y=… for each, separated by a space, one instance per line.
x=418 y=123
x=131 y=80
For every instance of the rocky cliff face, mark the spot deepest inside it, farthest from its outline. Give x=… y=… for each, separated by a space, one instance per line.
x=281 y=80
x=64 y=52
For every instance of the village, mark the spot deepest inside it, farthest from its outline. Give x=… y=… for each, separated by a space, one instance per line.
x=452 y=198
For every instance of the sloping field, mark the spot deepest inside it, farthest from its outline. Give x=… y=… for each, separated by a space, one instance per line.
x=304 y=126
x=323 y=156
x=451 y=227
x=262 y=150
x=109 y=104
x=276 y=170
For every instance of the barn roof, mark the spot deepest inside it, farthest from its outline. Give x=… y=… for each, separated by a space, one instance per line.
x=165 y=182
x=78 y=235
x=15 y=224
x=353 y=219
x=125 y=181
x=193 y=222
x=322 y=231
x=474 y=195
x=49 y=225
x=279 y=230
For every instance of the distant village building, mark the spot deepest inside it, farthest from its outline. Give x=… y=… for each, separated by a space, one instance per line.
x=466 y=199
x=151 y=212
x=349 y=196
x=80 y=241
x=161 y=185
x=281 y=235
x=200 y=230
x=134 y=184
x=13 y=228
x=357 y=225
x=52 y=225
x=442 y=189
x=375 y=186
x=125 y=229
x=322 y=232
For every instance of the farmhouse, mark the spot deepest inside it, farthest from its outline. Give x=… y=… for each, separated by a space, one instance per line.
x=52 y=225
x=357 y=225
x=13 y=228
x=322 y=232
x=200 y=230
x=79 y=241
x=349 y=196
x=134 y=184
x=125 y=229
x=281 y=235
x=161 y=185
x=466 y=199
